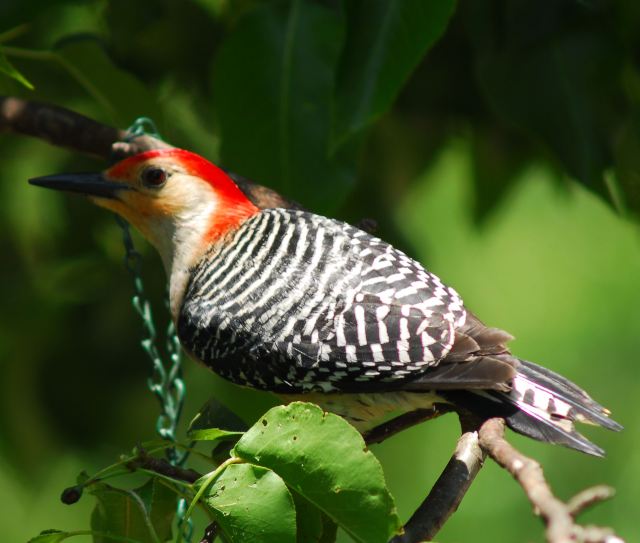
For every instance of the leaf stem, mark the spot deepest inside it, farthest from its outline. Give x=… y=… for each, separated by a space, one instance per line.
x=209 y=479
x=13 y=33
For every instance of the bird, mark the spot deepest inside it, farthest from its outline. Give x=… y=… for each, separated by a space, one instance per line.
x=315 y=309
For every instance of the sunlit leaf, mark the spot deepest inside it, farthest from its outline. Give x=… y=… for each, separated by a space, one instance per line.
x=325 y=459
x=252 y=503
x=8 y=69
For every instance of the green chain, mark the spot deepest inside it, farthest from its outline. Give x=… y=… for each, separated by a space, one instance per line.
x=166 y=381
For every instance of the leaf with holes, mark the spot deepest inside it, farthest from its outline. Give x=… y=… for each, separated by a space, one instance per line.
x=325 y=459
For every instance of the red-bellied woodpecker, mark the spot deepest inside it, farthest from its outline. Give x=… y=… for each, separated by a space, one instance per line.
x=310 y=307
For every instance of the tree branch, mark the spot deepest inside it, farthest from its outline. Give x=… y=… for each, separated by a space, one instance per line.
x=559 y=517
x=163 y=467
x=450 y=488
x=390 y=428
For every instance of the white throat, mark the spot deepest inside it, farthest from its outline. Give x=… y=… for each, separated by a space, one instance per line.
x=180 y=245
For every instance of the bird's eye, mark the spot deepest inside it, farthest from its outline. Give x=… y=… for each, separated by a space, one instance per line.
x=154 y=177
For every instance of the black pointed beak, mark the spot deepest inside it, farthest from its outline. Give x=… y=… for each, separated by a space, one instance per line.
x=90 y=184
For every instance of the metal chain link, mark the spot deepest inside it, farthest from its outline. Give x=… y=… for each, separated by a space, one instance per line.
x=166 y=382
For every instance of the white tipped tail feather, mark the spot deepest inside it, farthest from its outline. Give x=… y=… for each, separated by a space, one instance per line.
x=544 y=405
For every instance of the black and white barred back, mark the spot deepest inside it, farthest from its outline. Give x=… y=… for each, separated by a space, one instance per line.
x=293 y=303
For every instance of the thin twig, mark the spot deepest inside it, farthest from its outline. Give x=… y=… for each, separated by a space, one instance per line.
x=588 y=498
x=557 y=515
x=163 y=467
x=390 y=428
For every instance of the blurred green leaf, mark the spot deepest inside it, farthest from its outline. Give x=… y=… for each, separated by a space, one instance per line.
x=8 y=69
x=324 y=458
x=384 y=43
x=55 y=536
x=50 y=536
x=627 y=164
x=121 y=95
x=144 y=514
x=274 y=80
x=252 y=503
x=548 y=70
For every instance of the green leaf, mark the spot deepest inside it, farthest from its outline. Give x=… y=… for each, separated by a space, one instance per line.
x=274 y=79
x=252 y=503
x=308 y=520
x=214 y=414
x=547 y=69
x=213 y=434
x=208 y=424
x=325 y=459
x=627 y=164
x=385 y=41
x=50 y=536
x=55 y=536
x=329 y=530
x=144 y=514
x=314 y=526
x=8 y=69
x=120 y=94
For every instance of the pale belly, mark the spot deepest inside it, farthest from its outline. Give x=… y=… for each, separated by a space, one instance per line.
x=367 y=410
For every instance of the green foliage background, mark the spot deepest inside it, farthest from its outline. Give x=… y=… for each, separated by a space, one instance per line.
x=507 y=163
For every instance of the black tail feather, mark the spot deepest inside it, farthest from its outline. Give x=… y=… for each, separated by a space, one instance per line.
x=542 y=405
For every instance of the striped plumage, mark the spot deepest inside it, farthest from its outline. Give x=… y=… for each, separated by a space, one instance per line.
x=306 y=306
x=296 y=303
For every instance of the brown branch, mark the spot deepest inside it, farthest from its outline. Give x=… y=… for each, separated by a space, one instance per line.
x=450 y=488
x=210 y=533
x=559 y=517
x=58 y=126
x=390 y=428
x=163 y=467
x=452 y=485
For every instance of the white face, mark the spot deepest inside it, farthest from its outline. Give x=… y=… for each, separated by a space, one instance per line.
x=168 y=206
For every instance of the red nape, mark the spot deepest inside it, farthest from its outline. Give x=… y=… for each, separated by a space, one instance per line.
x=234 y=206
